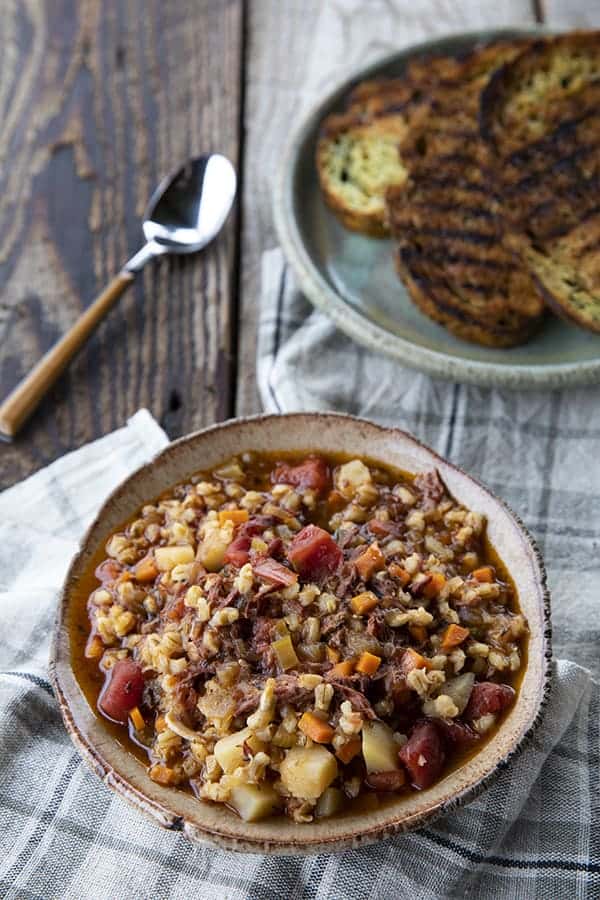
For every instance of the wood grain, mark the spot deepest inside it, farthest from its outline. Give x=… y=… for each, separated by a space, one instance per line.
x=297 y=51
x=98 y=100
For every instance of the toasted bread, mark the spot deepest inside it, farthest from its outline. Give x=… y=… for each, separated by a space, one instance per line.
x=540 y=115
x=357 y=159
x=451 y=251
x=357 y=152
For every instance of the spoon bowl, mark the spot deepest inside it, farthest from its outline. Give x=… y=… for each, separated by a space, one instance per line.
x=188 y=208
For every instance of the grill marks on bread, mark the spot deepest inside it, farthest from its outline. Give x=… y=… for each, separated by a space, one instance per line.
x=451 y=252
x=540 y=115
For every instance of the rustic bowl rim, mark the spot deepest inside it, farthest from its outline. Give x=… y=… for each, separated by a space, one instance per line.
x=244 y=840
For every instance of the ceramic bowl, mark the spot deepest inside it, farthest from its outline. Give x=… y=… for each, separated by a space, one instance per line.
x=215 y=824
x=352 y=278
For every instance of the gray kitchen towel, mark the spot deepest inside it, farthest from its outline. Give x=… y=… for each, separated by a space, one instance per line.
x=63 y=834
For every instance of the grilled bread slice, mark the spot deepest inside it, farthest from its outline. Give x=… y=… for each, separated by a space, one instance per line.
x=451 y=253
x=357 y=152
x=540 y=115
x=357 y=158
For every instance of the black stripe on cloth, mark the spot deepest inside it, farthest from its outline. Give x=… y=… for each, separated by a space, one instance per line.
x=452 y=422
x=569 y=865
x=34 y=679
x=277 y=337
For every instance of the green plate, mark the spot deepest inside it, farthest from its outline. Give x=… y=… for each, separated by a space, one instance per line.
x=352 y=278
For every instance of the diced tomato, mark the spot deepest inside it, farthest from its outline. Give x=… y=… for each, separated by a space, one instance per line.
x=423 y=755
x=122 y=690
x=314 y=553
x=381 y=529
x=456 y=734
x=313 y=473
x=273 y=571
x=275 y=548
x=238 y=552
x=109 y=570
x=256 y=525
x=487 y=697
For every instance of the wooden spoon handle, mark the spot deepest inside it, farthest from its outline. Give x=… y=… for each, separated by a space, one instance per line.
x=25 y=397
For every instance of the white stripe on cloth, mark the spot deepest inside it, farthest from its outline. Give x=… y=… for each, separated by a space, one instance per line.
x=533 y=833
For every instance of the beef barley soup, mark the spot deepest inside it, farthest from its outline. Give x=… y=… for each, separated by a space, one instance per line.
x=298 y=634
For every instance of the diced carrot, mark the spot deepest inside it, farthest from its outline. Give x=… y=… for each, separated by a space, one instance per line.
x=368 y=663
x=413 y=660
x=369 y=562
x=454 y=635
x=349 y=750
x=315 y=728
x=484 y=574
x=434 y=585
x=175 y=610
x=237 y=516
x=160 y=723
x=364 y=603
x=343 y=669
x=94 y=647
x=333 y=655
x=137 y=718
x=163 y=775
x=418 y=633
x=401 y=574
x=146 y=570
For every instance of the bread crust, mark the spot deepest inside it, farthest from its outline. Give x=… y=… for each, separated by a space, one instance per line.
x=540 y=118
x=450 y=237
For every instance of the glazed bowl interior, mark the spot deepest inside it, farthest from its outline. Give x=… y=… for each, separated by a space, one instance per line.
x=326 y=433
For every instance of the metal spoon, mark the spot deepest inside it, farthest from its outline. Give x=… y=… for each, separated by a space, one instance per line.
x=186 y=211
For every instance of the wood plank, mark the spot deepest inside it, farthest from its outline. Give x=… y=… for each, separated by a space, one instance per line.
x=98 y=101
x=297 y=50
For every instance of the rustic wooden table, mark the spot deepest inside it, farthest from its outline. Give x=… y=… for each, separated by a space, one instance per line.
x=99 y=99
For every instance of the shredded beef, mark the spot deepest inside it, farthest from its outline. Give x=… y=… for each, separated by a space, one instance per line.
x=432 y=488
x=289 y=690
x=331 y=623
x=376 y=624
x=359 y=701
x=394 y=684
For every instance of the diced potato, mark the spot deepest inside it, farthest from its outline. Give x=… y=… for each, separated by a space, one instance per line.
x=280 y=628
x=380 y=751
x=329 y=803
x=229 y=751
x=350 y=477
x=459 y=690
x=254 y=801
x=216 y=540
x=167 y=558
x=308 y=771
x=285 y=653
